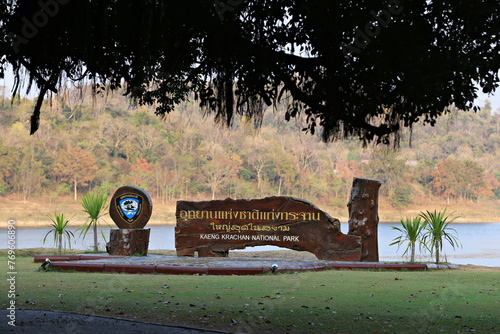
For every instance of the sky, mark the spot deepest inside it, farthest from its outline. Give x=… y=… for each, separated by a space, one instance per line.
x=495 y=101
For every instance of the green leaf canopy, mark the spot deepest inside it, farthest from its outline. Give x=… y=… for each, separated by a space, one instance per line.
x=363 y=68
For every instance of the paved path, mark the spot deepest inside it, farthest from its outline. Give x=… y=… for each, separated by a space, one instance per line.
x=56 y=322
x=191 y=261
x=237 y=265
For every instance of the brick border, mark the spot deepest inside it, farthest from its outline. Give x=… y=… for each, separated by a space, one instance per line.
x=54 y=258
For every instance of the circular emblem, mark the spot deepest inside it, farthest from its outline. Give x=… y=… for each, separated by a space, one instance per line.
x=130 y=207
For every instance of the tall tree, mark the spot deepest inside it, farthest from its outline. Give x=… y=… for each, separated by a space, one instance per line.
x=461 y=179
x=219 y=169
x=9 y=167
x=284 y=172
x=258 y=159
x=388 y=169
x=76 y=166
x=143 y=173
x=364 y=68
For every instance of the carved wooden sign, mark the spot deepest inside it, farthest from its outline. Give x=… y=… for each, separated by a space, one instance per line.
x=212 y=228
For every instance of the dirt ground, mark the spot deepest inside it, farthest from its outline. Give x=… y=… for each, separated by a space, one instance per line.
x=58 y=322
x=33 y=213
x=471 y=267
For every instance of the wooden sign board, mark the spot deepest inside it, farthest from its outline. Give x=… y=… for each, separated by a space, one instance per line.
x=212 y=228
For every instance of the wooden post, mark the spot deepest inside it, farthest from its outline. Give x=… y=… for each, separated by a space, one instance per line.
x=363 y=216
x=128 y=242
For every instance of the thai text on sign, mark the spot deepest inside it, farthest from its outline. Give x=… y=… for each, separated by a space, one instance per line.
x=249 y=215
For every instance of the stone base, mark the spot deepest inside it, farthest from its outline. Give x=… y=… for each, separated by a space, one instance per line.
x=128 y=242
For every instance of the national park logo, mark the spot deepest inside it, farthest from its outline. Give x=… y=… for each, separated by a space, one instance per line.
x=130 y=207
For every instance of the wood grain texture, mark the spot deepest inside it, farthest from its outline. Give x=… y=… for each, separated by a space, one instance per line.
x=212 y=228
x=363 y=216
x=128 y=242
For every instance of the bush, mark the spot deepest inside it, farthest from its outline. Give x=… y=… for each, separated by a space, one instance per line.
x=401 y=197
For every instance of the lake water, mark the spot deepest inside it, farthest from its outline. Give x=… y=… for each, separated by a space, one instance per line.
x=480 y=242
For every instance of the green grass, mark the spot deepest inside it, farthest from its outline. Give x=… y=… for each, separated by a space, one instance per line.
x=311 y=302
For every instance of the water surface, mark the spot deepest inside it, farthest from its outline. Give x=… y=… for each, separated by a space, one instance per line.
x=480 y=242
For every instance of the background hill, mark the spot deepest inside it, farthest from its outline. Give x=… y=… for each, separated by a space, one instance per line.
x=98 y=143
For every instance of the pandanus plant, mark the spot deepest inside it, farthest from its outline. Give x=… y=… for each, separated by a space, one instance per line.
x=438 y=231
x=59 y=224
x=94 y=205
x=411 y=232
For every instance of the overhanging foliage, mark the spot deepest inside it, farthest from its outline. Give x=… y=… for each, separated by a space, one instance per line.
x=362 y=68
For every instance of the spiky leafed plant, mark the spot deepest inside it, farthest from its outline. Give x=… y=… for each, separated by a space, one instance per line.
x=411 y=232
x=94 y=205
x=437 y=231
x=59 y=224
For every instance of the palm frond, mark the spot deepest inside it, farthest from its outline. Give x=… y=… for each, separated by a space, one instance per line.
x=59 y=225
x=437 y=230
x=94 y=205
x=411 y=230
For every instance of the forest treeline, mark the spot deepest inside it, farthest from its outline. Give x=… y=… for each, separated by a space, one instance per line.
x=89 y=142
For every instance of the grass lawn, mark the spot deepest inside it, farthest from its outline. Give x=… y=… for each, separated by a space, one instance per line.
x=331 y=301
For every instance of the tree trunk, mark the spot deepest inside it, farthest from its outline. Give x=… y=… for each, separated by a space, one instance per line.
x=75 y=188
x=363 y=216
x=413 y=252
x=95 y=237
x=60 y=244
x=437 y=243
x=128 y=242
